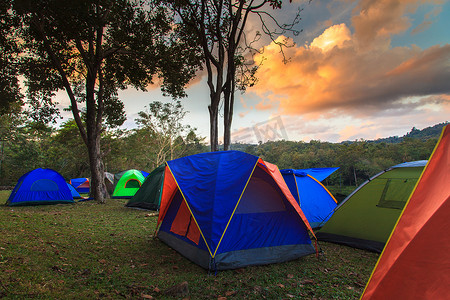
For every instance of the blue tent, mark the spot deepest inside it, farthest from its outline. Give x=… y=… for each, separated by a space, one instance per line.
x=77 y=195
x=73 y=191
x=81 y=185
x=229 y=209
x=318 y=173
x=40 y=186
x=316 y=202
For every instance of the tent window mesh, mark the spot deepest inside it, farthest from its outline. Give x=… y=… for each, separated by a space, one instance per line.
x=132 y=184
x=261 y=195
x=43 y=185
x=396 y=192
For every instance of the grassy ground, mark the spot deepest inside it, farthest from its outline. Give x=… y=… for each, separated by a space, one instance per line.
x=87 y=250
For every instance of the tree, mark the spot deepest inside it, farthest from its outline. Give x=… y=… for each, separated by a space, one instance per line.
x=160 y=124
x=23 y=146
x=91 y=49
x=219 y=28
x=10 y=96
x=66 y=154
x=10 y=131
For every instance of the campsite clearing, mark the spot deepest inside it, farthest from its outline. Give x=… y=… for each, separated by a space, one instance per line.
x=89 y=250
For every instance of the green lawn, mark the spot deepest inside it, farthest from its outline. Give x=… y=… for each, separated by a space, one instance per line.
x=88 y=250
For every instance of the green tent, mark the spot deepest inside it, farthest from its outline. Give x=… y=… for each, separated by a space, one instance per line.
x=367 y=216
x=128 y=184
x=149 y=195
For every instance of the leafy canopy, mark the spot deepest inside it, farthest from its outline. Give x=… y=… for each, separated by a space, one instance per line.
x=107 y=44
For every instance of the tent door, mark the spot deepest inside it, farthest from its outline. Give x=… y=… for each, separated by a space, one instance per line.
x=184 y=224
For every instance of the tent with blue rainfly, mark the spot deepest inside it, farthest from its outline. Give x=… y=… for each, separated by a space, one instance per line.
x=40 y=186
x=74 y=192
x=228 y=209
x=316 y=202
x=76 y=195
x=80 y=184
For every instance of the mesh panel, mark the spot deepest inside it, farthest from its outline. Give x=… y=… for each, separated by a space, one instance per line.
x=396 y=192
x=261 y=195
x=43 y=185
x=132 y=184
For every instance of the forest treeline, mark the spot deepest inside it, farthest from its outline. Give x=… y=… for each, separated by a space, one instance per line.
x=357 y=160
x=27 y=145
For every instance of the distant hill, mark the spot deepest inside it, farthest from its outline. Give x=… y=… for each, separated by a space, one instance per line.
x=424 y=134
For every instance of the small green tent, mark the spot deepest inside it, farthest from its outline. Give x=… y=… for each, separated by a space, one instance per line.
x=149 y=195
x=367 y=216
x=128 y=184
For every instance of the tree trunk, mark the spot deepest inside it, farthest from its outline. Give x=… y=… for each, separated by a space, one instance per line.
x=228 y=114
x=227 y=117
x=93 y=129
x=213 y=129
x=1 y=158
x=226 y=139
x=229 y=88
x=98 y=187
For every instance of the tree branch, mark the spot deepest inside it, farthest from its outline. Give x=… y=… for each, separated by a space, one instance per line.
x=57 y=63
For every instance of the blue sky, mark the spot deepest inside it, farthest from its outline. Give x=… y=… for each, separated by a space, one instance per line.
x=359 y=70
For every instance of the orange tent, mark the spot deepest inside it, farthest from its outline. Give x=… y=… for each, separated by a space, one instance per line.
x=415 y=263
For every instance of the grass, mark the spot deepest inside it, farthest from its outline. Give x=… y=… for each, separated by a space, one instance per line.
x=88 y=250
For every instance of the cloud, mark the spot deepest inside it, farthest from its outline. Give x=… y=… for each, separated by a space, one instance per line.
x=334 y=36
x=344 y=127
x=263 y=106
x=243 y=114
x=357 y=73
x=375 y=20
x=427 y=22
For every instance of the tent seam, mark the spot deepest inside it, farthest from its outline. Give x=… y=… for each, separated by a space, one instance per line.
x=232 y=214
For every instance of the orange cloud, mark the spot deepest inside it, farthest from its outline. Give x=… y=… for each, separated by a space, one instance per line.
x=446 y=98
x=334 y=36
x=263 y=106
x=243 y=114
x=157 y=82
x=380 y=19
x=357 y=74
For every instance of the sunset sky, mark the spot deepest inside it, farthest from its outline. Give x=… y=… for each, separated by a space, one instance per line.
x=359 y=70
